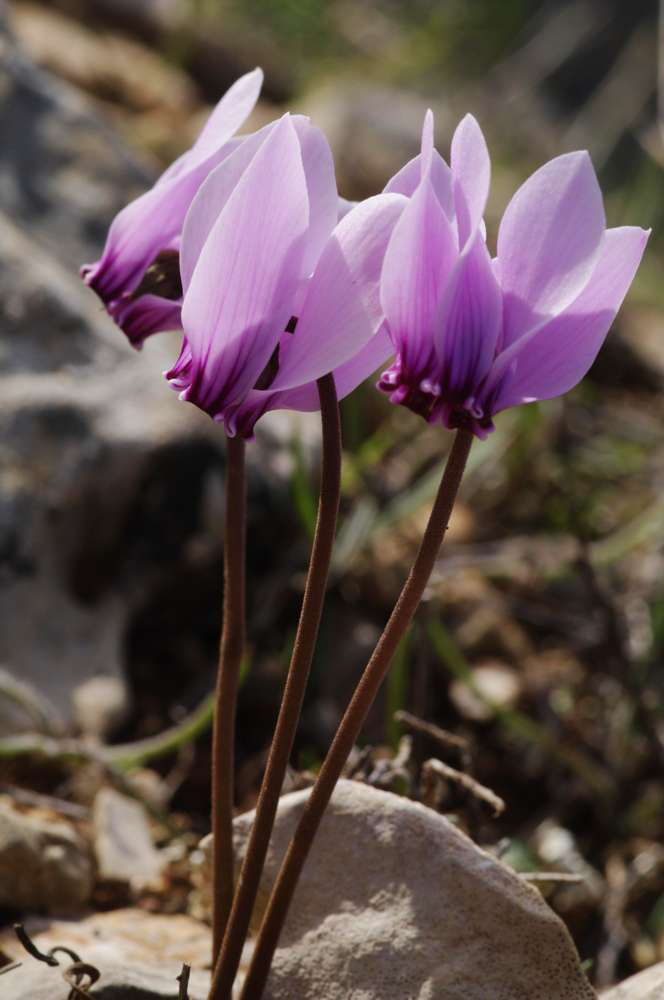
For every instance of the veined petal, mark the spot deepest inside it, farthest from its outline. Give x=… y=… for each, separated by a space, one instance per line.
x=321 y=186
x=149 y=223
x=549 y=242
x=137 y=234
x=470 y=319
x=342 y=310
x=471 y=174
x=426 y=151
x=219 y=185
x=141 y=317
x=211 y=198
x=556 y=356
x=407 y=180
x=305 y=397
x=228 y=116
x=240 y=295
x=418 y=262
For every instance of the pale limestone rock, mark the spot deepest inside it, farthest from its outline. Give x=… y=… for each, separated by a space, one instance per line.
x=394 y=902
x=138 y=954
x=647 y=985
x=33 y=980
x=45 y=864
x=122 y=840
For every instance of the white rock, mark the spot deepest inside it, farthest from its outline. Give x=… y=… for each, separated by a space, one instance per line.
x=394 y=902
x=138 y=954
x=646 y=985
x=45 y=864
x=34 y=980
x=123 y=841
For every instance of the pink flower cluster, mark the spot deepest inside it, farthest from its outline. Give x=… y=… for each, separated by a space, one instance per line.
x=244 y=245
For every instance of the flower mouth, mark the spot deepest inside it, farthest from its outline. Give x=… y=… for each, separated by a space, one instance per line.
x=269 y=373
x=162 y=278
x=435 y=403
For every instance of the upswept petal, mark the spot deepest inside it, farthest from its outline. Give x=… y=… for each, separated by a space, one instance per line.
x=139 y=318
x=219 y=185
x=321 y=186
x=407 y=180
x=150 y=222
x=426 y=150
x=556 y=356
x=137 y=234
x=240 y=295
x=470 y=319
x=211 y=198
x=418 y=262
x=342 y=310
x=548 y=242
x=373 y=355
x=471 y=176
x=347 y=377
x=228 y=116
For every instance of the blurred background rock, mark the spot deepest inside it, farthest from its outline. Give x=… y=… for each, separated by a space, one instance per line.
x=541 y=639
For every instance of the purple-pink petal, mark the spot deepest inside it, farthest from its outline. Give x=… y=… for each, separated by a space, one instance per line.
x=228 y=116
x=321 y=189
x=148 y=314
x=471 y=176
x=149 y=223
x=211 y=199
x=241 y=292
x=418 y=262
x=341 y=311
x=305 y=398
x=549 y=242
x=470 y=320
x=555 y=358
x=407 y=180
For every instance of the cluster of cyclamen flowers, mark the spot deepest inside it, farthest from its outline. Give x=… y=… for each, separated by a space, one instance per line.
x=244 y=244
x=289 y=297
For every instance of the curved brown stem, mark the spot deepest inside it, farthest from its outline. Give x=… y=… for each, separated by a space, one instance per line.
x=291 y=704
x=231 y=650
x=352 y=722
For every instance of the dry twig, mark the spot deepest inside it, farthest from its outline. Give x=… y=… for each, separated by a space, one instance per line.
x=438 y=735
x=440 y=770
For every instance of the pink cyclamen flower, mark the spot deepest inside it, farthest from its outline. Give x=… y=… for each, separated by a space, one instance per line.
x=475 y=335
x=278 y=293
x=137 y=276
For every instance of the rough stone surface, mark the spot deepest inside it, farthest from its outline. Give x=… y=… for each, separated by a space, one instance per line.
x=33 y=980
x=139 y=956
x=394 y=902
x=122 y=840
x=45 y=865
x=647 y=985
x=110 y=487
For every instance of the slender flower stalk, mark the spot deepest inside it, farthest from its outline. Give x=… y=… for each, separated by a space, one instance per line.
x=231 y=650
x=291 y=705
x=354 y=718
